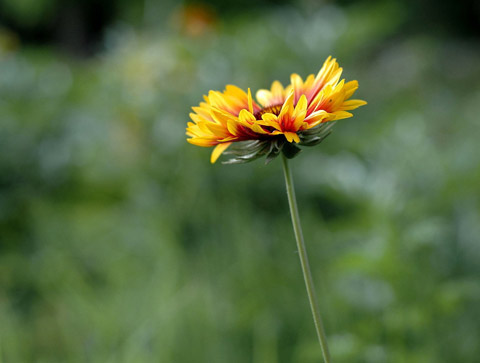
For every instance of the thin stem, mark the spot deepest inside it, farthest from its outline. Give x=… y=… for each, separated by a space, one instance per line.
x=307 y=275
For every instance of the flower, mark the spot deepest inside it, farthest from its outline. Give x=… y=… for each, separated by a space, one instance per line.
x=278 y=119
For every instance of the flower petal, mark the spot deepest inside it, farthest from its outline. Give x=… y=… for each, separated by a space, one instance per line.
x=297 y=83
x=291 y=136
x=274 y=96
x=269 y=119
x=219 y=149
x=287 y=110
x=341 y=115
x=299 y=113
x=250 y=101
x=352 y=104
x=246 y=118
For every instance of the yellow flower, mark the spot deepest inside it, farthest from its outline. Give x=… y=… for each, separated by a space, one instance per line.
x=277 y=119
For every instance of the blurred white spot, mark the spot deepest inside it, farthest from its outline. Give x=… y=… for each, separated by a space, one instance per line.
x=343 y=344
x=365 y=292
x=376 y=354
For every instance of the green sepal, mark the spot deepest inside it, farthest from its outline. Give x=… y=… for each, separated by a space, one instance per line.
x=316 y=135
x=290 y=150
x=246 y=151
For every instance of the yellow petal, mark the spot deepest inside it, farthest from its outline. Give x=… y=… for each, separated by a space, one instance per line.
x=232 y=127
x=297 y=83
x=291 y=137
x=246 y=117
x=342 y=114
x=219 y=149
x=197 y=118
x=352 y=104
x=235 y=92
x=216 y=129
x=250 y=101
x=264 y=97
x=202 y=142
x=203 y=111
x=299 y=112
x=287 y=108
x=316 y=118
x=335 y=76
x=258 y=129
x=277 y=89
x=350 y=88
x=219 y=116
x=269 y=119
x=323 y=75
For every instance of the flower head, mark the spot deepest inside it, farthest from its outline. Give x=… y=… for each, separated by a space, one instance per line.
x=277 y=120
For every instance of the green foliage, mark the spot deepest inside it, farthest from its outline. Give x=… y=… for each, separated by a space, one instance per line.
x=119 y=242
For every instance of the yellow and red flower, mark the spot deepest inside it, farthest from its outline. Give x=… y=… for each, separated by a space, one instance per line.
x=277 y=119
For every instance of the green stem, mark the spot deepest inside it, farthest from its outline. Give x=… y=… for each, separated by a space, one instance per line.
x=307 y=275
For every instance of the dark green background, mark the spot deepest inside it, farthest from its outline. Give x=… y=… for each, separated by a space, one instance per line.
x=119 y=242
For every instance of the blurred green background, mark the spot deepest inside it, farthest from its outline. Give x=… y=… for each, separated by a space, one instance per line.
x=119 y=242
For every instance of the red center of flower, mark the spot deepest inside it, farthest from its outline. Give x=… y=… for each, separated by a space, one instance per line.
x=275 y=109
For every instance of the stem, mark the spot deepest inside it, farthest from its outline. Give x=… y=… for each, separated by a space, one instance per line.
x=302 y=252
